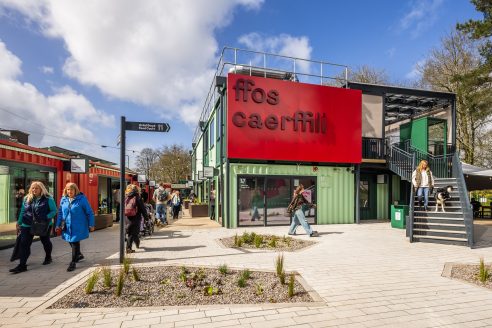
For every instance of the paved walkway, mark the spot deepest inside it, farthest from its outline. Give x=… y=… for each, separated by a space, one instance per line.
x=367 y=275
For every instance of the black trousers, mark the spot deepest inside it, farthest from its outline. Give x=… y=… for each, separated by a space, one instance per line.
x=75 y=250
x=212 y=211
x=25 y=245
x=133 y=232
x=176 y=210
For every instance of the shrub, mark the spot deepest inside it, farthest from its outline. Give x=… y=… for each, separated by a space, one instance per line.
x=240 y=242
x=279 y=264
x=291 y=285
x=246 y=238
x=252 y=237
x=209 y=291
x=126 y=264
x=258 y=241
x=106 y=277
x=183 y=277
x=483 y=274
x=120 y=283
x=259 y=289
x=184 y=270
x=273 y=242
x=136 y=276
x=282 y=277
x=241 y=282
x=246 y=274
x=236 y=240
x=91 y=282
x=200 y=275
x=223 y=269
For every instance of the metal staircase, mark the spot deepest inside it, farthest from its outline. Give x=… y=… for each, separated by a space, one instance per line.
x=455 y=226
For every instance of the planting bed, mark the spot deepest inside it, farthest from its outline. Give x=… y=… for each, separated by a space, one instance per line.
x=176 y=286
x=469 y=273
x=266 y=242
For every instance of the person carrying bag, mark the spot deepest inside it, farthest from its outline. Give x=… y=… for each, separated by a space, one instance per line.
x=35 y=218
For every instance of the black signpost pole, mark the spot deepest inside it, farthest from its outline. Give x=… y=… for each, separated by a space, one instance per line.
x=122 y=188
x=131 y=126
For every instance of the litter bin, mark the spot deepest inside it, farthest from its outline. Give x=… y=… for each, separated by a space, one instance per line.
x=398 y=216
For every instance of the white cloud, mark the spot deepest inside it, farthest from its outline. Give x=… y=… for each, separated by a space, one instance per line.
x=282 y=44
x=415 y=74
x=156 y=53
x=47 y=69
x=421 y=16
x=64 y=115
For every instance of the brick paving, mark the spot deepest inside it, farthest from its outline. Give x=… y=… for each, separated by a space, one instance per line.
x=367 y=275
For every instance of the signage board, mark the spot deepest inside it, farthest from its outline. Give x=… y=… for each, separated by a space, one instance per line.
x=200 y=175
x=141 y=178
x=270 y=119
x=147 y=126
x=208 y=172
x=151 y=183
x=79 y=165
x=178 y=185
x=190 y=184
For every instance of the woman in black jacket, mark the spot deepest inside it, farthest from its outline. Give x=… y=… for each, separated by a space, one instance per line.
x=134 y=210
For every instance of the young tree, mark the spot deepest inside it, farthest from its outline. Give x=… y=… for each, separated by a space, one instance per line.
x=449 y=68
x=173 y=164
x=145 y=160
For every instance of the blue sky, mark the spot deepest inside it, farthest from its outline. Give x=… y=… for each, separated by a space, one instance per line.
x=70 y=69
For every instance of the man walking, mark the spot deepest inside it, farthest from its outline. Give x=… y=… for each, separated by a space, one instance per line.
x=160 y=198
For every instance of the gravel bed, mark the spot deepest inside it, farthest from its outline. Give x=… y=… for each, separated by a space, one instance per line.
x=283 y=244
x=164 y=286
x=469 y=273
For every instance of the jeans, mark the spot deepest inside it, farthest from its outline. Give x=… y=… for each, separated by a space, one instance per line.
x=160 y=212
x=299 y=219
x=425 y=192
x=25 y=245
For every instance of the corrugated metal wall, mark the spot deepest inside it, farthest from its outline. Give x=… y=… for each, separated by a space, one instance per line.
x=382 y=201
x=335 y=189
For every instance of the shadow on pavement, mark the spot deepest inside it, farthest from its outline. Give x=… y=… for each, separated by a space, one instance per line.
x=170 y=249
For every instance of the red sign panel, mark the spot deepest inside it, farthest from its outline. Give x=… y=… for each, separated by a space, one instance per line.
x=270 y=119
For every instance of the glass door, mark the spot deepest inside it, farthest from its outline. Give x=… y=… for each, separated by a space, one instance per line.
x=251 y=202
x=278 y=196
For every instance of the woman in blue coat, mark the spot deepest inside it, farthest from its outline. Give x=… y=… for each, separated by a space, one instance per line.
x=75 y=220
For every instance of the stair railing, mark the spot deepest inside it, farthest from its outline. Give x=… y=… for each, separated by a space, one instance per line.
x=465 y=202
x=411 y=203
x=401 y=162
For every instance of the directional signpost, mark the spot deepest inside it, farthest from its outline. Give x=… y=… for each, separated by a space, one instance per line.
x=131 y=126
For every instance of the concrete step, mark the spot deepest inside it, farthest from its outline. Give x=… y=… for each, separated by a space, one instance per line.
x=442 y=221
x=439 y=226
x=439 y=233
x=439 y=240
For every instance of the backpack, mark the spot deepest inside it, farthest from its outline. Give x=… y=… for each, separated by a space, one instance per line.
x=161 y=195
x=131 y=206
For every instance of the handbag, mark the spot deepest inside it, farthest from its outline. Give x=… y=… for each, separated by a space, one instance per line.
x=40 y=227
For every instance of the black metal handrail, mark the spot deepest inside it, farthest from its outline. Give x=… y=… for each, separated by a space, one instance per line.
x=465 y=201
x=401 y=162
x=441 y=165
x=373 y=148
x=411 y=204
